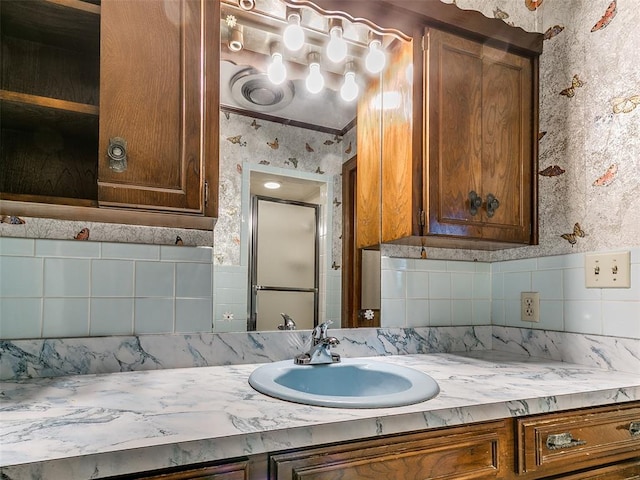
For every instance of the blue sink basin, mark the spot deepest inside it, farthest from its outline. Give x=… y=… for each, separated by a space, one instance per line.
x=352 y=383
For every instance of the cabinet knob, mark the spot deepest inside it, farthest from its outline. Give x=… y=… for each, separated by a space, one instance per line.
x=563 y=440
x=117 y=153
x=492 y=205
x=634 y=429
x=475 y=201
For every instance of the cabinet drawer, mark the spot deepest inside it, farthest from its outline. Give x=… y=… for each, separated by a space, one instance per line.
x=474 y=452
x=555 y=443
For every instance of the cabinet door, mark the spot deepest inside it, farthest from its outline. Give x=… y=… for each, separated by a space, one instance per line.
x=478 y=139
x=158 y=93
x=472 y=452
x=507 y=139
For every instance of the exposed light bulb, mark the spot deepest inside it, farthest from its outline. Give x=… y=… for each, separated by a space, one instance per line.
x=349 y=90
x=277 y=72
x=376 y=58
x=337 y=47
x=293 y=35
x=315 y=81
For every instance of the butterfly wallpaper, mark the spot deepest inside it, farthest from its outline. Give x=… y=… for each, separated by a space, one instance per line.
x=589 y=154
x=244 y=142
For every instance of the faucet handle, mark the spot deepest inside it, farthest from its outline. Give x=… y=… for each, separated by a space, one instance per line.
x=288 y=324
x=320 y=331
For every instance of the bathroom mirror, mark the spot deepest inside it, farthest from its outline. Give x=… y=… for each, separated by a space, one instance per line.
x=285 y=134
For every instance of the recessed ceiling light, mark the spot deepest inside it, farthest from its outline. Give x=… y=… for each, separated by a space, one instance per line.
x=271 y=185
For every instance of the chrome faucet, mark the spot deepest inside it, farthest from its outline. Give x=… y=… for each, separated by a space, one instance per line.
x=288 y=324
x=320 y=353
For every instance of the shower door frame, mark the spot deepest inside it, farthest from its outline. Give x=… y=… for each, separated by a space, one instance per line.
x=254 y=288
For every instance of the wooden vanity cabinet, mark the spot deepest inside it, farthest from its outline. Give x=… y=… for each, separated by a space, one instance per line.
x=239 y=469
x=77 y=74
x=581 y=440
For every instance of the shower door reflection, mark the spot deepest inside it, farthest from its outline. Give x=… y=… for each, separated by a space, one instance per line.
x=284 y=259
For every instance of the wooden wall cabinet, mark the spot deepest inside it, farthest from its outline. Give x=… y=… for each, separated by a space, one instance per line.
x=77 y=74
x=479 y=138
x=468 y=179
x=467 y=121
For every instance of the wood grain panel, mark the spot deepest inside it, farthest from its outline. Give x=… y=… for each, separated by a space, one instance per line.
x=605 y=432
x=397 y=144
x=473 y=452
x=49 y=71
x=455 y=132
x=29 y=112
x=151 y=96
x=48 y=162
x=368 y=199
x=55 y=22
x=507 y=155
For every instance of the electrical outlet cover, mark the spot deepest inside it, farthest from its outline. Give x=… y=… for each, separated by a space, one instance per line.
x=530 y=306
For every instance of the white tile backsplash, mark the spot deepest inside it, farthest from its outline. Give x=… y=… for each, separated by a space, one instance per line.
x=155 y=279
x=67 y=277
x=153 y=315
x=17 y=246
x=21 y=276
x=131 y=251
x=65 y=317
x=193 y=280
x=112 y=278
x=20 y=318
x=150 y=288
x=67 y=248
x=193 y=315
x=111 y=316
x=68 y=288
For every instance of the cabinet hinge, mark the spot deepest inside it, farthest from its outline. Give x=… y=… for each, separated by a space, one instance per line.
x=422 y=218
x=206 y=193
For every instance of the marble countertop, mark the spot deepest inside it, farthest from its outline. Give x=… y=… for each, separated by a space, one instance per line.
x=90 y=426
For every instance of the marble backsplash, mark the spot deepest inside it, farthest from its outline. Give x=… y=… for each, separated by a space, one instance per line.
x=25 y=359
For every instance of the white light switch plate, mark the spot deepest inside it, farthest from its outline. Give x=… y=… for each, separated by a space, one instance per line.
x=607 y=270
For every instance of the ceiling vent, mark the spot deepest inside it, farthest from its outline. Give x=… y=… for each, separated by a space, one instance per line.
x=252 y=89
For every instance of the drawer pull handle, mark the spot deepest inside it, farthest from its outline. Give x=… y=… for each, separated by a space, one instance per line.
x=634 y=429
x=562 y=440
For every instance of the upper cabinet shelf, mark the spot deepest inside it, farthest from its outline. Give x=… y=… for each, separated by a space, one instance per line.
x=71 y=24
x=22 y=111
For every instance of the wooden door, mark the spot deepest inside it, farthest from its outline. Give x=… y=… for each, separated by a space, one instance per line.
x=478 y=139
x=158 y=93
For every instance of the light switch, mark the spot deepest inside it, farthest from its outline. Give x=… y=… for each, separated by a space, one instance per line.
x=607 y=270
